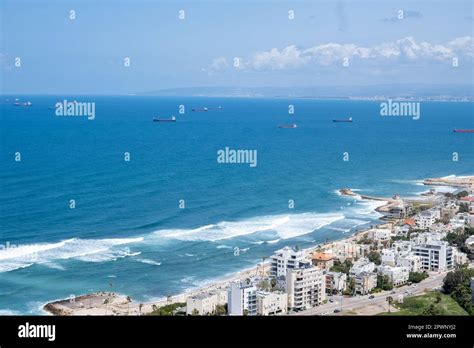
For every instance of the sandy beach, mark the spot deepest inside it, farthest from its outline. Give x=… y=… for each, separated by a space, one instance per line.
x=111 y=303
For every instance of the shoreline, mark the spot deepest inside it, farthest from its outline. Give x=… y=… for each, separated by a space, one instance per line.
x=107 y=303
x=122 y=307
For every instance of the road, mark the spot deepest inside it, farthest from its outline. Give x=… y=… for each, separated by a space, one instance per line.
x=378 y=303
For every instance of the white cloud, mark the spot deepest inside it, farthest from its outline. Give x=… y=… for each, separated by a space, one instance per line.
x=407 y=49
x=217 y=64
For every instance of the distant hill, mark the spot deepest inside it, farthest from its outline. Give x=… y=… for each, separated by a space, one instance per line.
x=407 y=91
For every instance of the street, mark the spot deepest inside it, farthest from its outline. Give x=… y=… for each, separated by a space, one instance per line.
x=363 y=305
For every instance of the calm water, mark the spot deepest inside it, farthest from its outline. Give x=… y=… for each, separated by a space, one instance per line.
x=127 y=227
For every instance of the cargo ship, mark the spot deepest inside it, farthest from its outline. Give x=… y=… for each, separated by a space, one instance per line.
x=342 y=119
x=172 y=119
x=287 y=125
x=200 y=110
x=463 y=130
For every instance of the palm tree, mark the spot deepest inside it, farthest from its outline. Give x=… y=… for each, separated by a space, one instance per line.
x=128 y=304
x=389 y=300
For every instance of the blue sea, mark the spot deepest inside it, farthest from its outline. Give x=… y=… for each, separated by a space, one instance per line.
x=127 y=231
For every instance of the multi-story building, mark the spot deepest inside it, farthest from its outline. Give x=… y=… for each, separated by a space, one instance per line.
x=448 y=211
x=305 y=286
x=402 y=246
x=427 y=218
x=336 y=282
x=397 y=275
x=388 y=257
x=284 y=259
x=380 y=234
x=399 y=211
x=271 y=303
x=323 y=260
x=365 y=282
x=435 y=255
x=408 y=259
x=460 y=258
x=470 y=243
x=204 y=304
x=242 y=299
x=362 y=265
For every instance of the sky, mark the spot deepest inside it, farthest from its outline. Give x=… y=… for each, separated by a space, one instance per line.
x=231 y=43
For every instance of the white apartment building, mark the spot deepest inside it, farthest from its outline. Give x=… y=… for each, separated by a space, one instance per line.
x=460 y=258
x=204 y=304
x=399 y=211
x=335 y=282
x=284 y=259
x=402 y=246
x=305 y=286
x=425 y=237
x=435 y=255
x=271 y=303
x=460 y=220
x=365 y=282
x=402 y=230
x=362 y=265
x=470 y=243
x=410 y=260
x=388 y=257
x=397 y=275
x=380 y=234
x=242 y=299
x=427 y=218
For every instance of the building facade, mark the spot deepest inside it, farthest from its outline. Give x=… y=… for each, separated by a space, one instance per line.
x=305 y=287
x=242 y=299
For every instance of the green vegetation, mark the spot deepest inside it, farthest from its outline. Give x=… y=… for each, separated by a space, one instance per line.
x=430 y=304
x=459 y=195
x=350 y=288
x=416 y=277
x=341 y=267
x=264 y=284
x=384 y=283
x=457 y=284
x=463 y=208
x=168 y=309
x=221 y=310
x=374 y=256
x=458 y=239
x=365 y=240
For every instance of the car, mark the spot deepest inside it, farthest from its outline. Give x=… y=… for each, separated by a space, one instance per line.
x=393 y=292
x=337 y=311
x=331 y=300
x=371 y=297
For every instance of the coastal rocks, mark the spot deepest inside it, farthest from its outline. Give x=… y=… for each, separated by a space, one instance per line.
x=456 y=181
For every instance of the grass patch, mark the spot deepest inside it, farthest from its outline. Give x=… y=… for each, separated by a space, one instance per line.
x=418 y=305
x=167 y=310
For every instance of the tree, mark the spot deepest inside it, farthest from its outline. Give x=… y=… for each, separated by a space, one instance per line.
x=375 y=257
x=341 y=267
x=460 y=276
x=431 y=310
x=416 y=277
x=264 y=284
x=350 y=288
x=384 y=283
x=389 y=299
x=195 y=312
x=140 y=306
x=220 y=310
x=273 y=283
x=457 y=284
